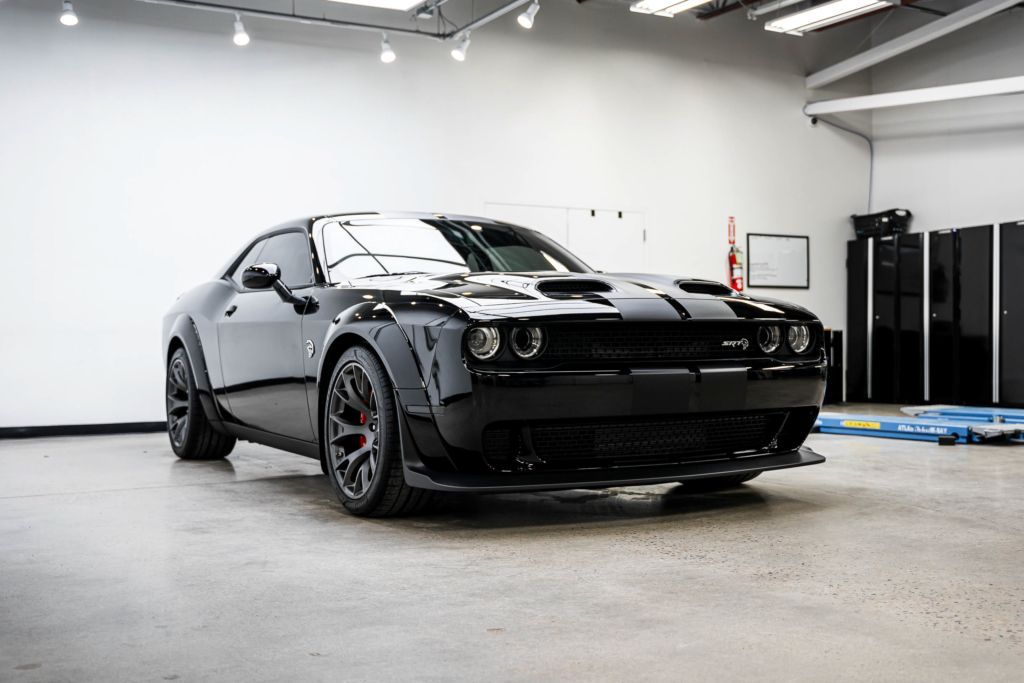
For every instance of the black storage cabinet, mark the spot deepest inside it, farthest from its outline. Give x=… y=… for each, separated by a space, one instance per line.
x=834 y=354
x=1011 y=319
x=897 y=328
x=897 y=345
x=857 y=320
x=960 y=325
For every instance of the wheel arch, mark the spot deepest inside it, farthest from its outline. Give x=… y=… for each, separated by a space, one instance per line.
x=381 y=336
x=184 y=335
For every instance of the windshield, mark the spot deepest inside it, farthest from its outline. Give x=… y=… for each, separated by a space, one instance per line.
x=408 y=245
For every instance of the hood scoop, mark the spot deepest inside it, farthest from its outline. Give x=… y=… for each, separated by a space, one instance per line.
x=704 y=287
x=571 y=288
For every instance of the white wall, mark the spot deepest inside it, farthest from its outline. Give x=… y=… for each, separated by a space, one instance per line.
x=140 y=148
x=954 y=164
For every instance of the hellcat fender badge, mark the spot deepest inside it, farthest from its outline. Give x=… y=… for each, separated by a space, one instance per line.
x=311 y=347
x=736 y=343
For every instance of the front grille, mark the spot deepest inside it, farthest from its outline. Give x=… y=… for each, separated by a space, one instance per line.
x=553 y=445
x=676 y=341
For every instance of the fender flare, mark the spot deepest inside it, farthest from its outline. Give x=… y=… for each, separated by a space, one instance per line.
x=375 y=325
x=184 y=332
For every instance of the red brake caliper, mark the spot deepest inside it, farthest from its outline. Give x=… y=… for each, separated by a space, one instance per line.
x=362 y=421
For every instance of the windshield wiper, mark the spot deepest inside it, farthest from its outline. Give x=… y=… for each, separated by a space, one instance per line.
x=406 y=272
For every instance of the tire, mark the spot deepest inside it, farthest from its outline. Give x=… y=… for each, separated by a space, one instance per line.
x=192 y=437
x=717 y=483
x=362 y=446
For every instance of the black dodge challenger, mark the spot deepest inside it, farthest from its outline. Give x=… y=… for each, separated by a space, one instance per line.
x=421 y=353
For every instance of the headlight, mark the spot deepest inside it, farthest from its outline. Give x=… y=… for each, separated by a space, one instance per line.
x=799 y=338
x=484 y=342
x=527 y=342
x=769 y=338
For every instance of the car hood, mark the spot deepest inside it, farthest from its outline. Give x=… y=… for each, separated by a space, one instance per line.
x=625 y=296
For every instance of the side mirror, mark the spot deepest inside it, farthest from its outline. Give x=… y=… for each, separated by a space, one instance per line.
x=261 y=276
x=268 y=276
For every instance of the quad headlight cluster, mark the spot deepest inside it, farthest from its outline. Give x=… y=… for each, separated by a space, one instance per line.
x=798 y=338
x=485 y=342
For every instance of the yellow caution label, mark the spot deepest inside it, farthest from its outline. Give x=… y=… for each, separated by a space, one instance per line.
x=861 y=424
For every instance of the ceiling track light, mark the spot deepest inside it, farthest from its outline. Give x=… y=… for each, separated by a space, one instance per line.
x=428 y=10
x=387 y=53
x=526 y=18
x=459 y=51
x=241 y=38
x=67 y=14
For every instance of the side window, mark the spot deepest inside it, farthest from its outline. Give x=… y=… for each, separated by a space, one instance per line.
x=247 y=260
x=290 y=251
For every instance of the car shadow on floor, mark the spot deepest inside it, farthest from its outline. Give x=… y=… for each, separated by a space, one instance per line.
x=314 y=495
x=586 y=506
x=551 y=508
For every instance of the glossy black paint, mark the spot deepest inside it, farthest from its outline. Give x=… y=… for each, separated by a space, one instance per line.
x=264 y=362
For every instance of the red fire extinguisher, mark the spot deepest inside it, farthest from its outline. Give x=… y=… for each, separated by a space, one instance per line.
x=735 y=259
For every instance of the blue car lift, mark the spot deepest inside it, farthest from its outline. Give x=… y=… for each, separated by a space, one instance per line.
x=947 y=430
x=967 y=412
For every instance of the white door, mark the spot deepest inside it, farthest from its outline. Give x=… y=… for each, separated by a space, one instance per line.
x=609 y=241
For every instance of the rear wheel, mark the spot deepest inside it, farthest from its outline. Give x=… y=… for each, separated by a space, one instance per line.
x=363 y=451
x=717 y=483
x=192 y=437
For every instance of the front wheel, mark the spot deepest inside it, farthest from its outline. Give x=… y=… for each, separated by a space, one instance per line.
x=363 y=455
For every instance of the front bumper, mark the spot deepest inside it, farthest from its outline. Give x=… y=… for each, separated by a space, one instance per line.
x=509 y=482
x=449 y=444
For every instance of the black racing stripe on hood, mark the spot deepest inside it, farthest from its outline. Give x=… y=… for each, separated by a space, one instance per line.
x=645 y=309
x=674 y=303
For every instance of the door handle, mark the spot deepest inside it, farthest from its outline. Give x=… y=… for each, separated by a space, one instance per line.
x=231 y=310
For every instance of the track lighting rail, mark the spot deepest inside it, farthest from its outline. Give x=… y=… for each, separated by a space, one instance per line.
x=226 y=8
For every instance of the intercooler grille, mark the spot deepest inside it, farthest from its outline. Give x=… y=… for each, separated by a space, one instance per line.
x=627 y=442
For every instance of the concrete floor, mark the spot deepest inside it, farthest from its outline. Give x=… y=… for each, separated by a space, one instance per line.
x=894 y=560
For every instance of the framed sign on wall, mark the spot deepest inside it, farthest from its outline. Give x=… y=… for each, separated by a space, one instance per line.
x=778 y=261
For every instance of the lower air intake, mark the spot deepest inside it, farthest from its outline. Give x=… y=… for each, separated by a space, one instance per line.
x=628 y=442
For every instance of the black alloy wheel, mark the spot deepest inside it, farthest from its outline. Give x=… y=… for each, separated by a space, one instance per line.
x=191 y=434
x=353 y=430
x=362 y=446
x=177 y=401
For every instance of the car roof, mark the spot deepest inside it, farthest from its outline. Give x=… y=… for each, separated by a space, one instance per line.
x=307 y=222
x=388 y=215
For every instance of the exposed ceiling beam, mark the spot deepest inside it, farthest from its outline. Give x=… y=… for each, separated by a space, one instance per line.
x=908 y=41
x=941 y=93
x=723 y=8
x=769 y=7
